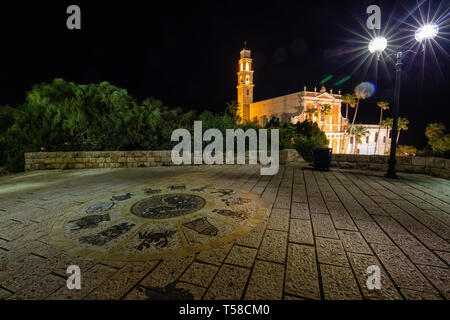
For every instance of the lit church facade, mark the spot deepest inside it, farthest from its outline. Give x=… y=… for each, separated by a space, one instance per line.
x=294 y=108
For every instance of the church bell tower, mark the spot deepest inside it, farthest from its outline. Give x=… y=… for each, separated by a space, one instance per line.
x=245 y=84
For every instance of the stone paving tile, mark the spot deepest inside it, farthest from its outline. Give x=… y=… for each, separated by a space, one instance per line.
x=200 y=274
x=282 y=202
x=360 y=263
x=440 y=277
x=440 y=215
x=41 y=289
x=331 y=251
x=242 y=256
x=354 y=242
x=300 y=211
x=23 y=272
x=301 y=272
x=323 y=226
x=4 y=294
x=254 y=237
x=340 y=216
x=292 y=298
x=299 y=193
x=279 y=220
x=372 y=232
x=60 y=263
x=444 y=255
x=266 y=282
x=229 y=283
x=89 y=281
x=317 y=205
x=301 y=232
x=166 y=272
x=419 y=230
x=401 y=270
x=339 y=283
x=417 y=295
x=215 y=256
x=177 y=291
x=123 y=281
x=410 y=245
x=274 y=246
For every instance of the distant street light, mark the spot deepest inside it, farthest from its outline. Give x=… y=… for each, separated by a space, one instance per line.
x=378 y=45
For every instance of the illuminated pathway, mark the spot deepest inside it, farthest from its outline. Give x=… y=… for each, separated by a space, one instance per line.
x=223 y=233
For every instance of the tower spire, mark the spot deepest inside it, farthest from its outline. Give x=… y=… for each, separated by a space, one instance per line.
x=245 y=84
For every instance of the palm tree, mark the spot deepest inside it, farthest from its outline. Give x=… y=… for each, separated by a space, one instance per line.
x=383 y=105
x=402 y=125
x=386 y=124
x=349 y=100
x=233 y=110
x=325 y=111
x=358 y=99
x=358 y=133
x=311 y=113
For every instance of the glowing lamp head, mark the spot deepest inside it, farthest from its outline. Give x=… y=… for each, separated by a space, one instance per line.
x=378 y=45
x=428 y=31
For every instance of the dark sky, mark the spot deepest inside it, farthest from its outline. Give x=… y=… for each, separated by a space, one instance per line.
x=185 y=53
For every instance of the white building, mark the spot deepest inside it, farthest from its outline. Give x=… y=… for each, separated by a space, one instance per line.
x=371 y=144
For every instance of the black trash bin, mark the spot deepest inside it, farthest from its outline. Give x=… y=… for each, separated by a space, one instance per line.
x=322 y=158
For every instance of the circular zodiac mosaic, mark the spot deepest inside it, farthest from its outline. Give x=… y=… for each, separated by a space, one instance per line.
x=168 y=206
x=152 y=222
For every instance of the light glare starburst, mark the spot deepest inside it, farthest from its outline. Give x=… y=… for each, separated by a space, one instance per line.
x=378 y=44
x=428 y=31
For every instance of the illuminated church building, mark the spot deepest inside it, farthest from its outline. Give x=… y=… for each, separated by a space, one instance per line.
x=293 y=108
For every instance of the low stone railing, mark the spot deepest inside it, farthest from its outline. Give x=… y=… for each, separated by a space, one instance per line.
x=437 y=167
x=140 y=159
x=94 y=160
x=116 y=159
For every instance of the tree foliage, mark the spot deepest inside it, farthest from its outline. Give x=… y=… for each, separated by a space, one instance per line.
x=438 y=140
x=303 y=136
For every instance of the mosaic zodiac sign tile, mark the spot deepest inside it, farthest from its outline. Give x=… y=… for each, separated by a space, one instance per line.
x=158 y=221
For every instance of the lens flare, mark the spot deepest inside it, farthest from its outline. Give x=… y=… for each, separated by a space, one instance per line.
x=428 y=31
x=365 y=90
x=378 y=44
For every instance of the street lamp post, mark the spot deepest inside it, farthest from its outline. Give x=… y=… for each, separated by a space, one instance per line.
x=378 y=45
x=393 y=154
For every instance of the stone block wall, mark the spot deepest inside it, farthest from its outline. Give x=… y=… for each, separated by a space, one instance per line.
x=94 y=160
x=437 y=167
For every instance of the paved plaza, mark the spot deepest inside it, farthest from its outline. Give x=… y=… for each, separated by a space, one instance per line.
x=223 y=232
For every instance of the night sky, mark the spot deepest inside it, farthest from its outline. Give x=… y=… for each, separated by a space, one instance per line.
x=186 y=52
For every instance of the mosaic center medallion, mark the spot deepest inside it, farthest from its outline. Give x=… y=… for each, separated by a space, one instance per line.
x=158 y=221
x=168 y=206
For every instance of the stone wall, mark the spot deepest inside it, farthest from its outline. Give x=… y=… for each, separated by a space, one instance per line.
x=117 y=159
x=437 y=167
x=94 y=160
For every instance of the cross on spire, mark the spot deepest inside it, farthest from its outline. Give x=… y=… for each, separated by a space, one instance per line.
x=245 y=45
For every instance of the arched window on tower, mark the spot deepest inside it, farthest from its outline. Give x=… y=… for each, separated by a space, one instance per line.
x=247 y=80
x=242 y=67
x=247 y=67
x=248 y=92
